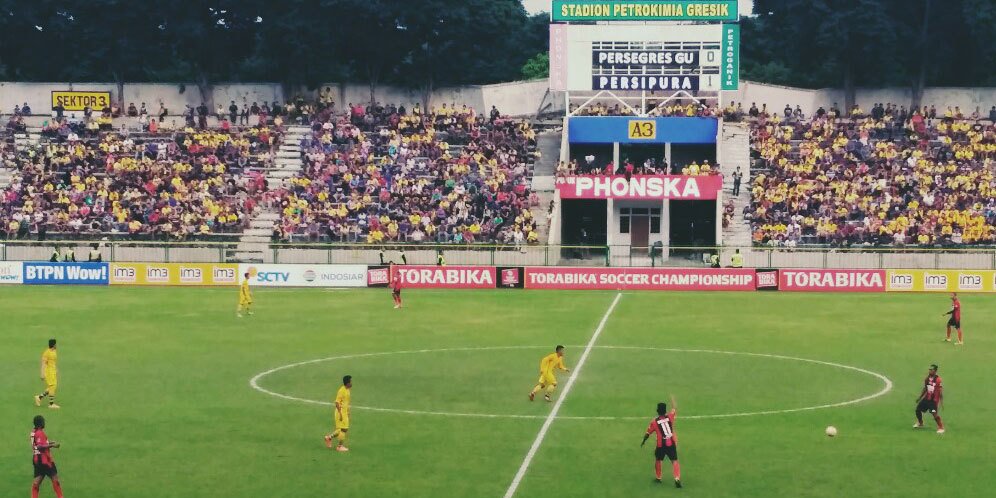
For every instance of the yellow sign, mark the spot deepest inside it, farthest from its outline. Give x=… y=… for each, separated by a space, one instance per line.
x=941 y=281
x=174 y=274
x=642 y=130
x=76 y=101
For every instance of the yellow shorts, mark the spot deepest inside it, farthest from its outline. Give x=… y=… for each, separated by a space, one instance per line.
x=546 y=379
x=341 y=422
x=245 y=302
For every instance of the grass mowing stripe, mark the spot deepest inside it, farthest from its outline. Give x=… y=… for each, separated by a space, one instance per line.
x=560 y=400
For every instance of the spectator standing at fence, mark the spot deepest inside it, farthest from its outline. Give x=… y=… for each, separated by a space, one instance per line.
x=440 y=260
x=69 y=256
x=95 y=256
x=403 y=257
x=737 y=259
x=56 y=257
x=714 y=261
x=737 y=178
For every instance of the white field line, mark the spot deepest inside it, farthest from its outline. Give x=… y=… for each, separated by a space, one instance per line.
x=560 y=401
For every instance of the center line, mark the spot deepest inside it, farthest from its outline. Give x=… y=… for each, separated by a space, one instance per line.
x=560 y=400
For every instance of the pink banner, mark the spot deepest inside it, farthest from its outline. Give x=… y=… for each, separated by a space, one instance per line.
x=831 y=280
x=558 y=57
x=646 y=187
x=726 y=279
x=447 y=277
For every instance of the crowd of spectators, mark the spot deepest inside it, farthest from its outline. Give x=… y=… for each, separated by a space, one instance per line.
x=676 y=108
x=381 y=173
x=885 y=177
x=650 y=166
x=191 y=183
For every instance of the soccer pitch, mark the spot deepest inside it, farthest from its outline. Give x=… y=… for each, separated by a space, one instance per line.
x=156 y=395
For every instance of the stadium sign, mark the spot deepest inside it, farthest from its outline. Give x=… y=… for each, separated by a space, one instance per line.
x=77 y=101
x=640 y=187
x=11 y=272
x=644 y=58
x=689 y=279
x=832 y=280
x=66 y=273
x=304 y=275
x=210 y=274
x=941 y=281
x=644 y=10
x=447 y=277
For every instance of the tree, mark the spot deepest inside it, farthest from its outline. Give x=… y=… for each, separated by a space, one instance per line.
x=537 y=67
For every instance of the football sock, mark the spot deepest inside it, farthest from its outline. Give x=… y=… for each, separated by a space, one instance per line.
x=677 y=470
x=342 y=438
x=937 y=418
x=959 y=334
x=550 y=388
x=538 y=388
x=657 y=468
x=51 y=400
x=335 y=433
x=57 y=487
x=919 y=417
x=42 y=395
x=34 y=490
x=949 y=331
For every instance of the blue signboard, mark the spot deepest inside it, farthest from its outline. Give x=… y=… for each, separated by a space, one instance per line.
x=635 y=130
x=66 y=273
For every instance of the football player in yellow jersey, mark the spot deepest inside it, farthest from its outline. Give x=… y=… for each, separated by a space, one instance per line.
x=245 y=298
x=341 y=415
x=50 y=374
x=547 y=379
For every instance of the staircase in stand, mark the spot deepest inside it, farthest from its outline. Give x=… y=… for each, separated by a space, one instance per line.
x=254 y=244
x=735 y=151
x=544 y=173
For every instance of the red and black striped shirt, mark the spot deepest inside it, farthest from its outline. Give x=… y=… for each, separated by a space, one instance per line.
x=663 y=426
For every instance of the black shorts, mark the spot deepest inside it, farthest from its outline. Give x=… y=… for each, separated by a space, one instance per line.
x=671 y=452
x=954 y=323
x=397 y=292
x=42 y=470
x=926 y=405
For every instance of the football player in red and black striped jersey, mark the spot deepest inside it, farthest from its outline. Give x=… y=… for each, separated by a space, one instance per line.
x=930 y=399
x=667 y=441
x=955 y=319
x=41 y=458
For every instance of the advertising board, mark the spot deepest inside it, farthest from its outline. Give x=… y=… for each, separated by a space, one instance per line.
x=66 y=273
x=304 y=275
x=552 y=277
x=833 y=280
x=173 y=274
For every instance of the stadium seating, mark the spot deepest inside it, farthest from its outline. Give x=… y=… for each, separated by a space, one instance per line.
x=80 y=180
x=881 y=178
x=382 y=173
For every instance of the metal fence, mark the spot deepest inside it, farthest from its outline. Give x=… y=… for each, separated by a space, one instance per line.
x=505 y=255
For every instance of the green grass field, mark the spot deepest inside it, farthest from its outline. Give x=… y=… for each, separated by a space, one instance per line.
x=156 y=396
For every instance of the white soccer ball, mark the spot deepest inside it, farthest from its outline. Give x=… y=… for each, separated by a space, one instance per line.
x=831 y=431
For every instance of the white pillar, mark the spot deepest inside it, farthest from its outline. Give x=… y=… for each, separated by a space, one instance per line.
x=615 y=154
x=719 y=217
x=667 y=157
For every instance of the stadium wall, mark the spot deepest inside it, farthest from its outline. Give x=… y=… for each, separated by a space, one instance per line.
x=777 y=97
x=518 y=98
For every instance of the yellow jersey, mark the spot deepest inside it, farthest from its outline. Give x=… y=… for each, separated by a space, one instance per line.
x=50 y=357
x=244 y=293
x=551 y=361
x=342 y=398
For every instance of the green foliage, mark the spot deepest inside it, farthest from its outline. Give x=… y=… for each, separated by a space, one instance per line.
x=822 y=43
x=538 y=66
x=298 y=42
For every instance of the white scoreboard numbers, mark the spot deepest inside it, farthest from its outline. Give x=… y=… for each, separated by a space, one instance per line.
x=640 y=57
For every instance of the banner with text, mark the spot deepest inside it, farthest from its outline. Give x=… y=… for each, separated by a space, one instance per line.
x=173 y=274
x=11 y=272
x=447 y=277
x=694 y=279
x=640 y=187
x=304 y=275
x=941 y=281
x=77 y=101
x=65 y=273
x=645 y=10
x=831 y=280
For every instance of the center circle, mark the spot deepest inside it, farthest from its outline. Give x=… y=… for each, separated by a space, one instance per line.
x=254 y=382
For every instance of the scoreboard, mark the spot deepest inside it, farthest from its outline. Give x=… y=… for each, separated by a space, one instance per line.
x=644 y=57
